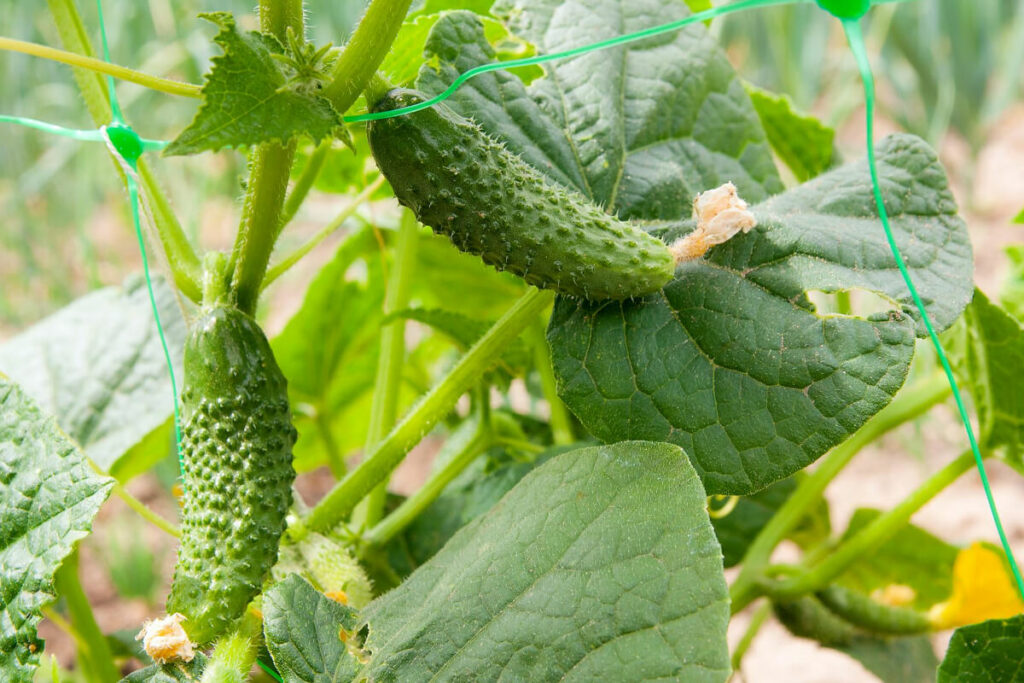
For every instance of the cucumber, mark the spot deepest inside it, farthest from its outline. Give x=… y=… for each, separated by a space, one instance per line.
x=806 y=617
x=237 y=439
x=489 y=202
x=860 y=610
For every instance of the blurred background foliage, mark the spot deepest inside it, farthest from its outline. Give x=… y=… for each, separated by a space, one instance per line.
x=945 y=67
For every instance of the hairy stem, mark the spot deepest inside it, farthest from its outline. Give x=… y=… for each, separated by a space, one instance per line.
x=171 y=87
x=388 y=381
x=94 y=653
x=471 y=439
x=269 y=169
x=235 y=653
x=881 y=529
x=914 y=401
x=434 y=406
x=181 y=257
x=365 y=51
x=281 y=267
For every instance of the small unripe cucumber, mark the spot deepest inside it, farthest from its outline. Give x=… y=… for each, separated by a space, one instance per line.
x=861 y=610
x=236 y=445
x=489 y=202
x=806 y=617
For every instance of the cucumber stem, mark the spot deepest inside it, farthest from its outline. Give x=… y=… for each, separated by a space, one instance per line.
x=388 y=381
x=94 y=654
x=365 y=51
x=235 y=653
x=269 y=169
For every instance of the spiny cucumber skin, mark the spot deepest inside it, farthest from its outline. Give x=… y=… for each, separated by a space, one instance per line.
x=489 y=202
x=237 y=439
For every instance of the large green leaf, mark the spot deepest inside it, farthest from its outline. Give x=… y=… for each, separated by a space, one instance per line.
x=303 y=629
x=990 y=360
x=912 y=557
x=247 y=98
x=98 y=366
x=599 y=565
x=802 y=142
x=732 y=362
x=48 y=498
x=729 y=361
x=989 y=652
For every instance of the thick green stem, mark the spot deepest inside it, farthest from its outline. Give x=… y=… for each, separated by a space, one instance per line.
x=913 y=402
x=388 y=382
x=470 y=440
x=305 y=182
x=873 y=535
x=181 y=257
x=234 y=654
x=123 y=73
x=434 y=406
x=269 y=168
x=94 y=653
x=561 y=424
x=757 y=620
x=365 y=51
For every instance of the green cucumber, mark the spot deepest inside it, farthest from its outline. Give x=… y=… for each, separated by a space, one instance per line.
x=860 y=610
x=806 y=617
x=236 y=445
x=489 y=202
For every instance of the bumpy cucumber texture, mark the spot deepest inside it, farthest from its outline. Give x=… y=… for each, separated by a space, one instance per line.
x=488 y=201
x=237 y=439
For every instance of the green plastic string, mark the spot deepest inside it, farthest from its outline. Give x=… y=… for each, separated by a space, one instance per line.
x=855 y=37
x=583 y=49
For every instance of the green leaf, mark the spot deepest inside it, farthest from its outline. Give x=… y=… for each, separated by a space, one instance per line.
x=729 y=361
x=599 y=565
x=990 y=360
x=989 y=652
x=913 y=557
x=98 y=366
x=801 y=141
x=247 y=98
x=178 y=672
x=48 y=497
x=303 y=630
x=738 y=529
x=328 y=351
x=481 y=7
x=669 y=120
x=1020 y=217
x=732 y=362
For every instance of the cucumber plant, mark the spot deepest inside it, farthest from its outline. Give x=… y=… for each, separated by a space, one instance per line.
x=622 y=406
